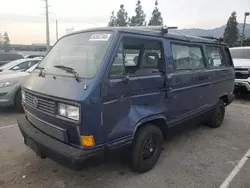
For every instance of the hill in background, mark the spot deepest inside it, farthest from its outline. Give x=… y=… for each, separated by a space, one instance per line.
x=216 y=32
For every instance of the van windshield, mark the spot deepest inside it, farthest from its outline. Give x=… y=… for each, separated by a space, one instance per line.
x=240 y=53
x=83 y=52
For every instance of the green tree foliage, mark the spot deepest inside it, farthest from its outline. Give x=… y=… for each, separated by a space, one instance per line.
x=1 y=39
x=6 y=41
x=112 y=20
x=231 y=33
x=156 y=18
x=122 y=17
x=139 y=18
x=246 y=42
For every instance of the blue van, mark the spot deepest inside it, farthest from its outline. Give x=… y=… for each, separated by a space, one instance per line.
x=105 y=89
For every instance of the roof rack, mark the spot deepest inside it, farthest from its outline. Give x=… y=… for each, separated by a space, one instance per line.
x=162 y=29
x=212 y=38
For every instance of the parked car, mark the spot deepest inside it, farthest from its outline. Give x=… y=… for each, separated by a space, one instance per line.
x=34 y=56
x=241 y=59
x=18 y=65
x=123 y=89
x=6 y=57
x=10 y=88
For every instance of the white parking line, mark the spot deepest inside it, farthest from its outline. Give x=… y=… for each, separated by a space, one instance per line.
x=236 y=170
x=8 y=126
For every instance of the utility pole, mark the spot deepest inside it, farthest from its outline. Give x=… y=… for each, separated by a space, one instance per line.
x=243 y=29
x=47 y=25
x=56 y=30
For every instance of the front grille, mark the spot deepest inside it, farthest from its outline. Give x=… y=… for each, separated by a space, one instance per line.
x=241 y=73
x=41 y=103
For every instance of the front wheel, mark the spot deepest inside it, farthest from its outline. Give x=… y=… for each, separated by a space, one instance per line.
x=217 y=115
x=146 y=148
x=18 y=102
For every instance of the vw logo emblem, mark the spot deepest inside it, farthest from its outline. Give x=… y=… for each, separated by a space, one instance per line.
x=35 y=102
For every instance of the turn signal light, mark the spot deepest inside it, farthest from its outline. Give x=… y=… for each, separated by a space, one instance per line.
x=87 y=141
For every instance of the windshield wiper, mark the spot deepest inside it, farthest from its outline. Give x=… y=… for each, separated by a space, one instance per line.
x=41 y=73
x=69 y=70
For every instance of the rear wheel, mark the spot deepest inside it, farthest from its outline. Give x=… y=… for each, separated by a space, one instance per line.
x=218 y=115
x=146 y=148
x=18 y=102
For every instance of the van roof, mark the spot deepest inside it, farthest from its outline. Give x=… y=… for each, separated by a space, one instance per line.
x=172 y=34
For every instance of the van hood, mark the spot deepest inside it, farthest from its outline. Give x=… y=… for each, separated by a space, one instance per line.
x=57 y=86
x=241 y=63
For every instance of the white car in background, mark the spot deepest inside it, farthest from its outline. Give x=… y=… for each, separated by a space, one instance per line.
x=18 y=65
x=10 y=88
x=241 y=59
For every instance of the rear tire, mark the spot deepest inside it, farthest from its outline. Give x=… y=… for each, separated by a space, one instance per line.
x=18 y=102
x=217 y=115
x=146 y=149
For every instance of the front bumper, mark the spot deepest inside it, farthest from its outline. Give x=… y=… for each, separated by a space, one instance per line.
x=46 y=146
x=242 y=83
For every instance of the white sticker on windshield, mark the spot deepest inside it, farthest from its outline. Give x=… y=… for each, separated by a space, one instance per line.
x=100 y=37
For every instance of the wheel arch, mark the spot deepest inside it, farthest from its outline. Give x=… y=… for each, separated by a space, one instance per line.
x=159 y=121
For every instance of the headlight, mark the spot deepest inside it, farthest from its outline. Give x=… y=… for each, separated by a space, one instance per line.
x=23 y=95
x=69 y=111
x=7 y=83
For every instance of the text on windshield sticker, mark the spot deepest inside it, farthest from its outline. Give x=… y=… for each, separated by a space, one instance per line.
x=100 y=37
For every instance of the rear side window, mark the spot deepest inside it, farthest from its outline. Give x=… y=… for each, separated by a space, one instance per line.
x=187 y=57
x=215 y=57
x=137 y=57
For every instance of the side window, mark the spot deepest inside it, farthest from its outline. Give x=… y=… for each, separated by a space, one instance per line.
x=215 y=57
x=118 y=68
x=137 y=57
x=21 y=66
x=187 y=57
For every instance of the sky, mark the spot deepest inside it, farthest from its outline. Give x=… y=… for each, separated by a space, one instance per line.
x=24 y=20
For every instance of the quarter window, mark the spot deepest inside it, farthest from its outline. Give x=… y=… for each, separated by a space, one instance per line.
x=215 y=57
x=187 y=57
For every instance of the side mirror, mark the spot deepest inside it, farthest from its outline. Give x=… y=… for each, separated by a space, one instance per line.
x=16 y=68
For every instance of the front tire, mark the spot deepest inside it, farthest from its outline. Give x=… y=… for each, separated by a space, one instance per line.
x=147 y=148
x=18 y=102
x=217 y=115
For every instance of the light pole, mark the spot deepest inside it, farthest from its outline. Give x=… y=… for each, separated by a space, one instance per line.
x=47 y=25
x=56 y=30
x=243 y=29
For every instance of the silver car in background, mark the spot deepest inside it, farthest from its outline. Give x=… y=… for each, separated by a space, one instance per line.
x=18 y=65
x=10 y=88
x=241 y=59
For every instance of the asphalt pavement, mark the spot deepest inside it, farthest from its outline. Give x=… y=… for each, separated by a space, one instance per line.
x=198 y=157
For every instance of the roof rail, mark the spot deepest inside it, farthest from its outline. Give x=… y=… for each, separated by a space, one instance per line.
x=162 y=29
x=212 y=38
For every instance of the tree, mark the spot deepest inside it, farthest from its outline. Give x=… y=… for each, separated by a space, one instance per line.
x=6 y=41
x=112 y=20
x=1 y=39
x=139 y=18
x=231 y=33
x=122 y=17
x=156 y=18
x=246 y=42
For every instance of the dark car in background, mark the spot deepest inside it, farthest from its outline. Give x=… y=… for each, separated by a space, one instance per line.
x=6 y=57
